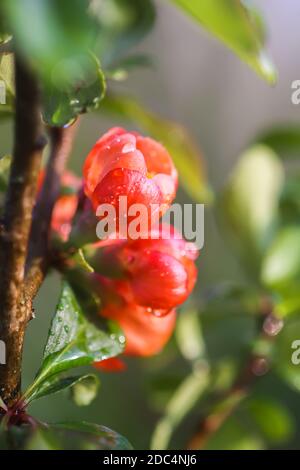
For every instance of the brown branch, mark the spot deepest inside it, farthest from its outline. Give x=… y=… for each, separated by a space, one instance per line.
x=28 y=147
x=38 y=259
x=256 y=366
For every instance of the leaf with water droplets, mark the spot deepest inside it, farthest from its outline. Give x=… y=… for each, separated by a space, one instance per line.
x=74 y=341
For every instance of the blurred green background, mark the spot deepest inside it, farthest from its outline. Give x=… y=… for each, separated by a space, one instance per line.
x=224 y=105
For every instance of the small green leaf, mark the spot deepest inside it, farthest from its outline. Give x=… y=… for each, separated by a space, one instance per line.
x=235 y=25
x=189 y=335
x=5 y=163
x=57 y=383
x=281 y=264
x=249 y=203
x=74 y=341
x=186 y=156
x=272 y=419
x=84 y=390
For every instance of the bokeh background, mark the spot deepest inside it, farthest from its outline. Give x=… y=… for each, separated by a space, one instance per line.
x=196 y=81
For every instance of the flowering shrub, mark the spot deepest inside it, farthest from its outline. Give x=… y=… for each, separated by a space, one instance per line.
x=128 y=299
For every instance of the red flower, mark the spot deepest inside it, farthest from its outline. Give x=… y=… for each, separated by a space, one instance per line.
x=145 y=333
x=160 y=272
x=126 y=164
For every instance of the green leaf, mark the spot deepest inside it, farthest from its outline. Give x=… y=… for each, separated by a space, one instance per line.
x=249 y=203
x=234 y=435
x=120 y=71
x=83 y=93
x=88 y=436
x=7 y=89
x=64 y=436
x=121 y=25
x=5 y=163
x=57 y=42
x=281 y=264
x=57 y=383
x=237 y=26
x=181 y=403
x=186 y=156
x=84 y=390
x=189 y=335
x=73 y=341
x=286 y=357
x=272 y=419
x=284 y=140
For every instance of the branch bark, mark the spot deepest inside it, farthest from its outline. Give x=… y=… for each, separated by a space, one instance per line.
x=29 y=143
x=39 y=255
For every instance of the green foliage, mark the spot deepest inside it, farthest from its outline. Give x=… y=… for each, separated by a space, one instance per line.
x=58 y=45
x=64 y=436
x=249 y=203
x=7 y=76
x=187 y=158
x=5 y=163
x=121 y=25
x=72 y=341
x=286 y=357
x=235 y=25
x=284 y=140
x=281 y=264
x=272 y=419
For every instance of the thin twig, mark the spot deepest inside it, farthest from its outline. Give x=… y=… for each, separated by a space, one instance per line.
x=256 y=366
x=29 y=143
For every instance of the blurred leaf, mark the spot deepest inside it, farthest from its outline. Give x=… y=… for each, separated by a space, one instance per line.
x=235 y=25
x=284 y=140
x=181 y=403
x=5 y=163
x=63 y=436
x=57 y=42
x=189 y=335
x=272 y=419
x=287 y=352
x=85 y=390
x=281 y=263
x=8 y=84
x=289 y=206
x=73 y=341
x=88 y=436
x=120 y=71
x=250 y=201
x=233 y=435
x=121 y=25
x=57 y=383
x=175 y=138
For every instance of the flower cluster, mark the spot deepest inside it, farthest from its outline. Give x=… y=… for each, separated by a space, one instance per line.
x=141 y=281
